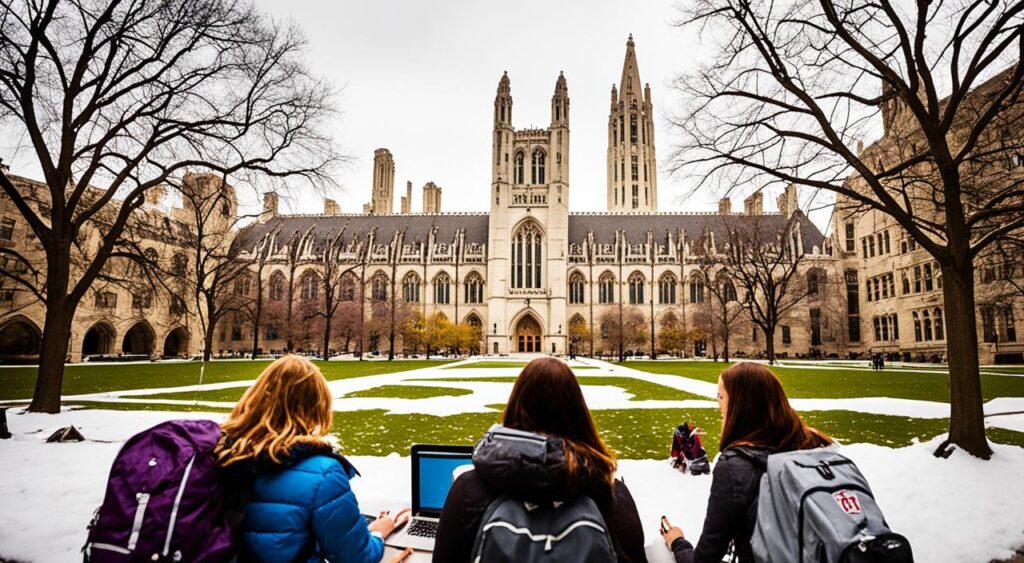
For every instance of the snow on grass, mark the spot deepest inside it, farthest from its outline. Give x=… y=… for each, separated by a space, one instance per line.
x=956 y=510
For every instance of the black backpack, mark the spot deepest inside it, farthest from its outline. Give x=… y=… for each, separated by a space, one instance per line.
x=516 y=529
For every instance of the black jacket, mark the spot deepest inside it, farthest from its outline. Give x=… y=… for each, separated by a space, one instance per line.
x=732 y=509
x=471 y=493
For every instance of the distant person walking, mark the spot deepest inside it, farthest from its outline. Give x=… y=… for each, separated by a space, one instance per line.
x=757 y=416
x=296 y=498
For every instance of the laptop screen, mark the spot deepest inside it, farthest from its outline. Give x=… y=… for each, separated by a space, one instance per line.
x=435 y=470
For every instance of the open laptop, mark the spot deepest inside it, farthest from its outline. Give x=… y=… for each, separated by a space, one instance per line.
x=434 y=469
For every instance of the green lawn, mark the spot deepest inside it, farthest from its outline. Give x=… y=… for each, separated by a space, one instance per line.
x=17 y=383
x=500 y=364
x=804 y=383
x=640 y=389
x=409 y=392
x=633 y=434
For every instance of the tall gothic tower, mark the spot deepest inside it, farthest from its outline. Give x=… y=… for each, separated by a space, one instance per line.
x=632 y=167
x=382 y=200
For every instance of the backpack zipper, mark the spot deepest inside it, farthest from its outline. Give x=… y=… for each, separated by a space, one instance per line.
x=820 y=489
x=140 y=514
x=548 y=539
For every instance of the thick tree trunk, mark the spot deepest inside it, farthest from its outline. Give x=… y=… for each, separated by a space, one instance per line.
x=966 y=418
x=208 y=343
x=56 y=334
x=327 y=338
x=257 y=318
x=725 y=342
x=54 y=352
x=769 y=343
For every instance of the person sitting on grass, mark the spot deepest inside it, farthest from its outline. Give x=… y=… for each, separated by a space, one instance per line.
x=546 y=399
x=295 y=493
x=757 y=416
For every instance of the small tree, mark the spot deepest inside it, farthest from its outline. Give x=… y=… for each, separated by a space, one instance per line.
x=579 y=333
x=723 y=307
x=437 y=333
x=635 y=334
x=672 y=337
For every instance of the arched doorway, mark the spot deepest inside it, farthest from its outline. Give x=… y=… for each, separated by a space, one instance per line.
x=139 y=339
x=99 y=339
x=477 y=326
x=19 y=339
x=176 y=343
x=527 y=335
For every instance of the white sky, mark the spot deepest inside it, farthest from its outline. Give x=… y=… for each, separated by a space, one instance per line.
x=419 y=78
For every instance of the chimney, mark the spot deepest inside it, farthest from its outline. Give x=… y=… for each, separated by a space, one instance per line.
x=754 y=205
x=407 y=199
x=431 y=198
x=270 y=203
x=331 y=207
x=155 y=194
x=787 y=201
x=725 y=205
x=367 y=209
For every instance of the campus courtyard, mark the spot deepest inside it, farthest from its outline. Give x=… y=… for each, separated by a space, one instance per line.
x=889 y=422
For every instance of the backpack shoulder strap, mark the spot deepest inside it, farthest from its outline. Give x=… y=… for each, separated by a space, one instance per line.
x=749 y=454
x=488 y=513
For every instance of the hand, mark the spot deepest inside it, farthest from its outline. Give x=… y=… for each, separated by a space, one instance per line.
x=385 y=524
x=671 y=535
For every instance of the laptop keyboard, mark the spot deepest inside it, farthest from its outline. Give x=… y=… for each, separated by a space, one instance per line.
x=423 y=528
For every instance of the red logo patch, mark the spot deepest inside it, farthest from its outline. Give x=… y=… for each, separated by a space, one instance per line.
x=847 y=500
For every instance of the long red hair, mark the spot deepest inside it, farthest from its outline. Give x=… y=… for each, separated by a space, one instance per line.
x=758 y=413
x=547 y=399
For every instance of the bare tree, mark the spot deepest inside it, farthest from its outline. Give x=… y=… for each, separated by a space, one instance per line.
x=215 y=275
x=339 y=283
x=117 y=98
x=767 y=267
x=790 y=90
x=260 y=258
x=723 y=307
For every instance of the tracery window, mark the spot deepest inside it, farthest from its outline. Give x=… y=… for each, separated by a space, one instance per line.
x=538 y=167
x=442 y=289
x=606 y=288
x=411 y=288
x=667 y=289
x=520 y=168
x=309 y=286
x=474 y=289
x=636 y=288
x=527 y=257
x=576 y=286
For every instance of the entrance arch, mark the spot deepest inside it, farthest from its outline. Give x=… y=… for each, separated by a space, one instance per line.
x=99 y=339
x=527 y=334
x=20 y=339
x=176 y=343
x=139 y=339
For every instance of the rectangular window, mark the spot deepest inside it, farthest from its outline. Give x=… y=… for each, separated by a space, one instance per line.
x=635 y=170
x=786 y=336
x=106 y=300
x=927 y=277
x=1009 y=326
x=7 y=229
x=815 y=327
x=864 y=246
x=851 y=244
x=988 y=324
x=917 y=279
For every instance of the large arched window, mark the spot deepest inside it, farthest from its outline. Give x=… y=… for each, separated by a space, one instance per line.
x=538 y=167
x=520 y=168
x=927 y=324
x=474 y=289
x=728 y=291
x=442 y=289
x=667 y=289
x=277 y=286
x=940 y=332
x=526 y=257
x=815 y=277
x=379 y=287
x=917 y=327
x=606 y=288
x=696 y=289
x=576 y=285
x=636 y=288
x=243 y=284
x=348 y=287
x=179 y=264
x=309 y=286
x=411 y=288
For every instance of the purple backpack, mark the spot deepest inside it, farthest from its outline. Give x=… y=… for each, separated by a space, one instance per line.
x=164 y=499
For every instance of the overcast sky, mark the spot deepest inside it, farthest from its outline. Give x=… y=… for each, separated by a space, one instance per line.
x=419 y=78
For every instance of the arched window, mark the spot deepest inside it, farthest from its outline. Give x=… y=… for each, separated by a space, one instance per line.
x=696 y=290
x=538 y=167
x=379 y=287
x=179 y=264
x=917 y=327
x=728 y=291
x=576 y=286
x=526 y=257
x=520 y=168
x=927 y=325
x=885 y=328
x=667 y=289
x=474 y=288
x=878 y=329
x=895 y=326
x=411 y=288
x=277 y=286
x=243 y=284
x=940 y=333
x=928 y=277
x=348 y=287
x=606 y=288
x=636 y=288
x=442 y=289
x=152 y=257
x=309 y=286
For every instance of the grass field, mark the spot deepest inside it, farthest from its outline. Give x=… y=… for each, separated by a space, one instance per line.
x=17 y=383
x=814 y=383
x=640 y=389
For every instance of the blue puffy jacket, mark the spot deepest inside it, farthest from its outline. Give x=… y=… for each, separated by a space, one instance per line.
x=306 y=506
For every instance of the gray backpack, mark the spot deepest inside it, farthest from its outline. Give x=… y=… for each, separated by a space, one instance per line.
x=514 y=529
x=815 y=506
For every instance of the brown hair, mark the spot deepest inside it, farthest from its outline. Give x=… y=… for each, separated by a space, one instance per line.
x=758 y=413
x=547 y=399
x=289 y=405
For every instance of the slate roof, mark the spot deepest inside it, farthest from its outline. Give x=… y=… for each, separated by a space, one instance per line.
x=604 y=225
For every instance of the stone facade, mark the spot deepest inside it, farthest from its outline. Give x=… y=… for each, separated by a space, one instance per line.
x=632 y=164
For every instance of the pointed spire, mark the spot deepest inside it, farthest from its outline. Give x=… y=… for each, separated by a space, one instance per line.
x=615 y=94
x=560 y=85
x=503 y=84
x=630 y=84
